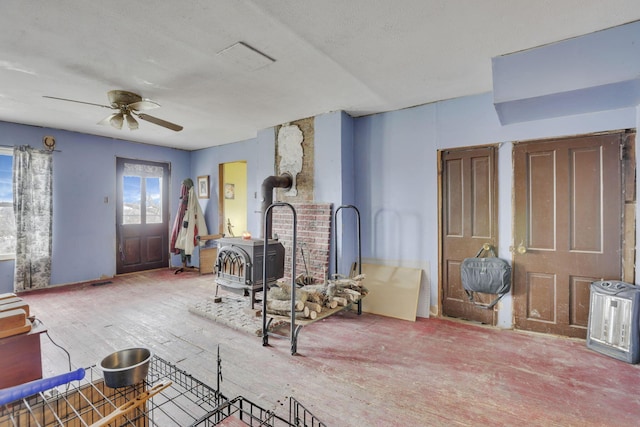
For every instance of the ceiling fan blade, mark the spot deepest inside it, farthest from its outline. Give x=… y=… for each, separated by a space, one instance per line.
x=145 y=104
x=107 y=120
x=116 y=120
x=78 y=102
x=160 y=122
x=131 y=122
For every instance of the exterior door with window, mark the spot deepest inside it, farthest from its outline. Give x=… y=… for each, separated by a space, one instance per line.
x=469 y=220
x=568 y=229
x=142 y=215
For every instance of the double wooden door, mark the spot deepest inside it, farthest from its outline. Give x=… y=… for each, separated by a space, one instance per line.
x=569 y=219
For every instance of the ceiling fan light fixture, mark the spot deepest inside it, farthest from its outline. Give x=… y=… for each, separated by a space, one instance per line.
x=127 y=106
x=117 y=120
x=131 y=122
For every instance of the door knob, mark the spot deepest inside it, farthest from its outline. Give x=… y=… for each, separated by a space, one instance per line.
x=522 y=249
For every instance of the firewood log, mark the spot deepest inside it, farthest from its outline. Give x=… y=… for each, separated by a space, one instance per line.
x=277 y=293
x=286 y=313
x=352 y=292
x=315 y=288
x=343 y=282
x=341 y=301
x=331 y=304
x=348 y=284
x=284 y=305
x=285 y=286
x=313 y=306
x=283 y=292
x=314 y=296
x=331 y=290
x=302 y=295
x=318 y=293
x=348 y=297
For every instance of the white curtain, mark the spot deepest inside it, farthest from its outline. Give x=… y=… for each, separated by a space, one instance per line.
x=33 y=208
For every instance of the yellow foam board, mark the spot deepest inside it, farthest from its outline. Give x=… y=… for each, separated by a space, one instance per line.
x=393 y=291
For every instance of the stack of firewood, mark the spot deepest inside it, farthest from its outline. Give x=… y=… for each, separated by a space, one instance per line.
x=312 y=300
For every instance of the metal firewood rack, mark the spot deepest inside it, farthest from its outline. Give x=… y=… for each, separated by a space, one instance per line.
x=266 y=320
x=296 y=324
x=187 y=401
x=359 y=241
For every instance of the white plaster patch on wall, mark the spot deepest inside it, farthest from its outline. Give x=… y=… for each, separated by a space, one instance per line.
x=290 y=149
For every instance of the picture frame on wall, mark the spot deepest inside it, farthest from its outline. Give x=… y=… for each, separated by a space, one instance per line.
x=229 y=191
x=203 y=187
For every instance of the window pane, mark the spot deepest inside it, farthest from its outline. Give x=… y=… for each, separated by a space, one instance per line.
x=154 y=200
x=131 y=208
x=7 y=219
x=6 y=179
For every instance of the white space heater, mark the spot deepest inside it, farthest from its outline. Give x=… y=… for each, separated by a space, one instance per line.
x=614 y=320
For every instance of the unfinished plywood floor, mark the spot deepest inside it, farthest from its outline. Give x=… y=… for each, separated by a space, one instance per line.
x=351 y=370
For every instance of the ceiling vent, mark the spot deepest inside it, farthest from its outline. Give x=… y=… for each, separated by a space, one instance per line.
x=245 y=56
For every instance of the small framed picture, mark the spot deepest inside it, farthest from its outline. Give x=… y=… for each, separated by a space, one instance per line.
x=203 y=187
x=229 y=191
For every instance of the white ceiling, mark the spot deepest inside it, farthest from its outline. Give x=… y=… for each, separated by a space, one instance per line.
x=361 y=56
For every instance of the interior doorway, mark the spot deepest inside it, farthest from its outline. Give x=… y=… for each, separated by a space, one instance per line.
x=232 y=203
x=569 y=207
x=469 y=212
x=142 y=215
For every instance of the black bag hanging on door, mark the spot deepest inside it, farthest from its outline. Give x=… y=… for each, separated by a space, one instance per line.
x=488 y=275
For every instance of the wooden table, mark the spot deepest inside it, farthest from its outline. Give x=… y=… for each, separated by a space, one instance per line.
x=21 y=358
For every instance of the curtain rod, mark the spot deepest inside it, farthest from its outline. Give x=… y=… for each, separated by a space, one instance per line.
x=12 y=146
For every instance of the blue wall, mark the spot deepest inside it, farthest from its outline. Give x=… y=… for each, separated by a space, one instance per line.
x=334 y=181
x=84 y=239
x=397 y=175
x=594 y=72
x=259 y=153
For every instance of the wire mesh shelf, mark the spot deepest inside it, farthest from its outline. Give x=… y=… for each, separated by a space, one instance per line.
x=168 y=397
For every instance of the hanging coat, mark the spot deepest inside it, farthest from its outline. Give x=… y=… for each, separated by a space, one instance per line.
x=182 y=208
x=193 y=224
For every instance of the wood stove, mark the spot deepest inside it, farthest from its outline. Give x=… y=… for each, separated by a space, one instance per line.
x=240 y=261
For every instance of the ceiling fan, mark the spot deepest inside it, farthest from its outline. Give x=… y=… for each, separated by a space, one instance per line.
x=128 y=106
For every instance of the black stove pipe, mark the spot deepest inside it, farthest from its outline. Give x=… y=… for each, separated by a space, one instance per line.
x=283 y=181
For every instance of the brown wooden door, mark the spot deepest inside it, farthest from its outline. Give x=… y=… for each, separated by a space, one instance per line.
x=469 y=220
x=142 y=215
x=568 y=225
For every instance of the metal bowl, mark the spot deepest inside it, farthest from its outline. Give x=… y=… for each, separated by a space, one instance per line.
x=126 y=367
